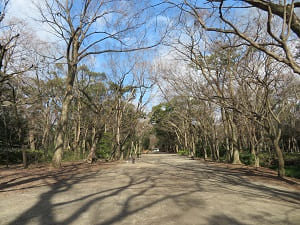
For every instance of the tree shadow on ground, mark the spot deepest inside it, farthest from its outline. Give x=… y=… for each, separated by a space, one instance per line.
x=43 y=208
x=30 y=178
x=226 y=179
x=223 y=220
x=43 y=212
x=136 y=184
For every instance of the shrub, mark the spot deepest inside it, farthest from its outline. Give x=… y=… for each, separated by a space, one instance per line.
x=247 y=158
x=183 y=152
x=104 y=148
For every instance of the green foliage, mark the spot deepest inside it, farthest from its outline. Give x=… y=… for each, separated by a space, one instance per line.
x=15 y=156
x=247 y=158
x=35 y=156
x=159 y=118
x=104 y=148
x=199 y=150
x=83 y=71
x=71 y=156
x=266 y=160
x=199 y=153
x=290 y=171
x=183 y=152
x=160 y=112
x=292 y=159
x=120 y=89
x=13 y=128
x=292 y=162
x=10 y=156
x=146 y=142
x=293 y=171
x=222 y=153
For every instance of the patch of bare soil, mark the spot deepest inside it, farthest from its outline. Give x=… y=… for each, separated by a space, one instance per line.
x=16 y=178
x=258 y=174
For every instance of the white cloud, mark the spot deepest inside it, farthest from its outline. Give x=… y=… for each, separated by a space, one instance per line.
x=26 y=11
x=22 y=9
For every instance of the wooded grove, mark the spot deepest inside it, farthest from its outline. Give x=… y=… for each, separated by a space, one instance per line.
x=213 y=79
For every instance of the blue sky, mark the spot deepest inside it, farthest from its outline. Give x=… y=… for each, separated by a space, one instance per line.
x=25 y=10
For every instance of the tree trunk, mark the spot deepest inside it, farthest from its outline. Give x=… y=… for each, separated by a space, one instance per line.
x=45 y=139
x=217 y=150
x=256 y=164
x=84 y=141
x=253 y=153
x=46 y=128
x=193 y=148
x=121 y=153
x=236 y=153
x=204 y=148
x=228 y=155
x=59 y=145
x=57 y=157
x=205 y=153
x=186 y=148
x=134 y=153
x=128 y=153
x=118 y=147
x=139 y=152
x=236 y=157
x=25 y=165
x=31 y=139
x=226 y=131
x=92 y=155
x=118 y=153
x=77 y=132
x=281 y=170
x=212 y=149
x=66 y=145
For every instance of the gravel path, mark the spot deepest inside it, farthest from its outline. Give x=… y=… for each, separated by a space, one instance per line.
x=157 y=189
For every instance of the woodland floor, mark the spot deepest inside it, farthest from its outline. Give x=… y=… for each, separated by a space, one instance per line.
x=157 y=189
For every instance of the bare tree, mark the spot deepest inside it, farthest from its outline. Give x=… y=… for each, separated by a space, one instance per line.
x=279 y=43
x=89 y=27
x=247 y=86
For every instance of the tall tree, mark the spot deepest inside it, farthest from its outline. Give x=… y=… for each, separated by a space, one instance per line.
x=88 y=27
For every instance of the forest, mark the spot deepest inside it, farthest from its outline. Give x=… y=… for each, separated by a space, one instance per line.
x=107 y=80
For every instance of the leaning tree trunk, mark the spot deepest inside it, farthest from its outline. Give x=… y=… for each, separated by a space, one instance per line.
x=275 y=134
x=281 y=170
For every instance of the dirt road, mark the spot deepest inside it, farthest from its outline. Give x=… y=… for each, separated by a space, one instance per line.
x=157 y=189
